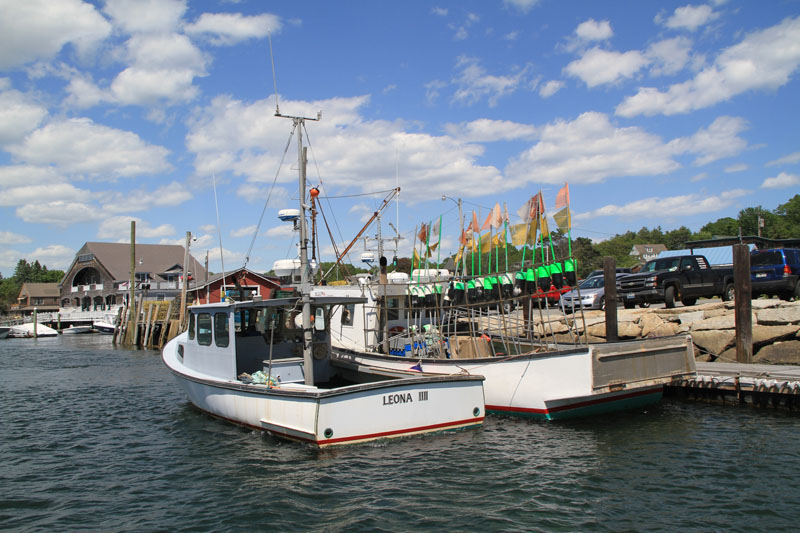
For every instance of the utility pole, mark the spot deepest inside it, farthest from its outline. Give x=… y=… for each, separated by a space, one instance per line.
x=185 y=277
x=131 y=334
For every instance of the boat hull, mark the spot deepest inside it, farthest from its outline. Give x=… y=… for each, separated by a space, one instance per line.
x=103 y=328
x=561 y=384
x=25 y=331
x=344 y=415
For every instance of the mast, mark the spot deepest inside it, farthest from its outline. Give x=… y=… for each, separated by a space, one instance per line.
x=305 y=268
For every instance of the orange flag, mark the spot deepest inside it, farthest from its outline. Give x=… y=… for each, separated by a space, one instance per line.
x=473 y=226
x=562 y=199
x=423 y=234
x=494 y=220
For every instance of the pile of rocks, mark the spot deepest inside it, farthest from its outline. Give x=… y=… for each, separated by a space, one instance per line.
x=776 y=328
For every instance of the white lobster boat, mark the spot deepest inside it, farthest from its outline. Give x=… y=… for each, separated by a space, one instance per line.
x=523 y=377
x=267 y=365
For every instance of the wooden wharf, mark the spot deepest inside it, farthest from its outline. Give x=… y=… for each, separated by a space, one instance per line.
x=776 y=386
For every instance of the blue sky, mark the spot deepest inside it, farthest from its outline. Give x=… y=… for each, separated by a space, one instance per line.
x=655 y=113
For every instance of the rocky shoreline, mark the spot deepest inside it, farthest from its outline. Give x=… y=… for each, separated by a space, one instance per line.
x=776 y=328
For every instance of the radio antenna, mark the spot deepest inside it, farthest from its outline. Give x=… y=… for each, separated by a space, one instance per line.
x=274 y=79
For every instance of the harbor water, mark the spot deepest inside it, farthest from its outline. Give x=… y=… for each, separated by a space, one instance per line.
x=101 y=439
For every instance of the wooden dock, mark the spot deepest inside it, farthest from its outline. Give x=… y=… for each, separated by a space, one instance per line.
x=773 y=386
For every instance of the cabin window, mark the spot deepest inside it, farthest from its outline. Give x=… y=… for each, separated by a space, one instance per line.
x=347 y=314
x=221 y=336
x=204 y=329
x=191 y=326
x=393 y=309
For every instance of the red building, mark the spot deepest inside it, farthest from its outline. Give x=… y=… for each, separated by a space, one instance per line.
x=252 y=283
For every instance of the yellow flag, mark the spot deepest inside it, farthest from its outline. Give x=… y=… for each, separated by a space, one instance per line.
x=486 y=243
x=544 y=229
x=416 y=257
x=499 y=240
x=563 y=219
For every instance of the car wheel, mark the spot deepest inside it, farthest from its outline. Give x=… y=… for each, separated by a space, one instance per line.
x=797 y=291
x=602 y=303
x=689 y=301
x=628 y=305
x=644 y=305
x=669 y=297
x=727 y=294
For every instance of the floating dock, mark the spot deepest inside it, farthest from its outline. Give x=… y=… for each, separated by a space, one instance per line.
x=775 y=386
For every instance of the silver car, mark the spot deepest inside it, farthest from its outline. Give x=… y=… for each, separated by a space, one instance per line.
x=592 y=295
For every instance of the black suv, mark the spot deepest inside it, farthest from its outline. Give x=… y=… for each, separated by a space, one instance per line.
x=776 y=272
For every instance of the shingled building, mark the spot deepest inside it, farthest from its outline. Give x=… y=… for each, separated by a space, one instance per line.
x=99 y=276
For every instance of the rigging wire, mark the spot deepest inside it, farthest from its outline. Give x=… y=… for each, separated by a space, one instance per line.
x=219 y=231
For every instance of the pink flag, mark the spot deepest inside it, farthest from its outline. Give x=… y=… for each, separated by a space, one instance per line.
x=562 y=199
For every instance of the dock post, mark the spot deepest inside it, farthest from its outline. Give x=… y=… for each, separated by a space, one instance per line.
x=743 y=304
x=35 y=323
x=59 y=322
x=610 y=287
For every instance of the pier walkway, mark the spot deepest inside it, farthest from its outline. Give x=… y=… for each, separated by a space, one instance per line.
x=759 y=385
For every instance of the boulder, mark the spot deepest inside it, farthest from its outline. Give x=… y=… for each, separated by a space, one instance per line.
x=665 y=330
x=770 y=334
x=694 y=316
x=764 y=303
x=625 y=330
x=779 y=316
x=714 y=342
x=716 y=323
x=649 y=323
x=782 y=353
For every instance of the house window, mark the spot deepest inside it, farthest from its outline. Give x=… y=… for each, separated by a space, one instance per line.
x=83 y=258
x=221 y=335
x=160 y=297
x=648 y=249
x=142 y=276
x=191 y=326
x=204 y=329
x=38 y=301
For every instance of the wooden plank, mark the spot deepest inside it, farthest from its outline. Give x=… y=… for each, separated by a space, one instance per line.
x=610 y=285
x=743 y=307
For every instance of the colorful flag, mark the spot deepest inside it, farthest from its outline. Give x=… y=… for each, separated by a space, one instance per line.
x=417 y=367
x=435 y=228
x=562 y=198
x=563 y=219
x=524 y=212
x=423 y=233
x=473 y=226
x=543 y=225
x=495 y=218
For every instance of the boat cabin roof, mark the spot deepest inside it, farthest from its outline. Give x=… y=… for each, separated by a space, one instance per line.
x=280 y=302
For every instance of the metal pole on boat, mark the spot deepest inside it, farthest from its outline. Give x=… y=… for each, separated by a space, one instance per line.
x=305 y=282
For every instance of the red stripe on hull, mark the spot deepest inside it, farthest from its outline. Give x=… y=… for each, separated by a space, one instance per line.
x=588 y=403
x=344 y=440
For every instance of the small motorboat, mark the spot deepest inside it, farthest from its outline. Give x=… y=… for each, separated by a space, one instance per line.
x=4 y=330
x=77 y=330
x=103 y=327
x=24 y=331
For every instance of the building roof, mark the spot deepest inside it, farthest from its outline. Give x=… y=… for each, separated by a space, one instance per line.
x=216 y=277
x=40 y=290
x=642 y=248
x=152 y=258
x=719 y=255
x=760 y=242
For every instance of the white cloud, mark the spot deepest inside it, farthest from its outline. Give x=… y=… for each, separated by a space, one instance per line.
x=18 y=116
x=720 y=140
x=739 y=167
x=83 y=147
x=119 y=227
x=669 y=56
x=598 y=66
x=34 y=194
x=790 y=159
x=653 y=207
x=550 y=88
x=781 y=180
x=27 y=175
x=522 y=5
x=487 y=130
x=231 y=28
x=58 y=212
x=592 y=30
x=146 y=16
x=9 y=237
x=31 y=30
x=688 y=17
x=247 y=231
x=284 y=231
x=699 y=177
x=54 y=256
x=234 y=138
x=473 y=83
x=589 y=150
x=763 y=60
x=169 y=195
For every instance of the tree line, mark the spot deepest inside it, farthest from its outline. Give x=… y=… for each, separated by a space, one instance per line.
x=24 y=272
